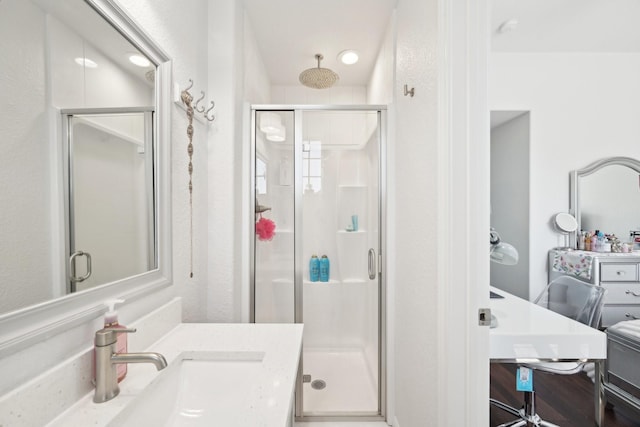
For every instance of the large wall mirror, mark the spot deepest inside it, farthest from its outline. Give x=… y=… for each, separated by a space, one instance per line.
x=606 y=196
x=85 y=159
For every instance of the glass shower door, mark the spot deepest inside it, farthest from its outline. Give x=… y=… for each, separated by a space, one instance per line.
x=340 y=222
x=317 y=175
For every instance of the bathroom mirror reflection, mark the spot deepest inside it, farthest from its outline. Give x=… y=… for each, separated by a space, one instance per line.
x=79 y=104
x=605 y=196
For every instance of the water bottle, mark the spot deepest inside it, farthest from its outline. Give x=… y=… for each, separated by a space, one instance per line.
x=314 y=268
x=324 y=269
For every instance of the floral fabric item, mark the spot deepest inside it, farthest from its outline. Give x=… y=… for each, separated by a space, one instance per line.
x=574 y=263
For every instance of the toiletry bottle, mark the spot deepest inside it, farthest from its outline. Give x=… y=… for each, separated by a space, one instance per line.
x=324 y=269
x=581 y=240
x=314 y=268
x=587 y=242
x=111 y=321
x=601 y=241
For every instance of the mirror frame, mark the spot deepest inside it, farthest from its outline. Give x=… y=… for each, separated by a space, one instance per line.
x=574 y=185
x=30 y=325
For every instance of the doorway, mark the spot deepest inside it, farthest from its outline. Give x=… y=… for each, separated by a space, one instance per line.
x=318 y=249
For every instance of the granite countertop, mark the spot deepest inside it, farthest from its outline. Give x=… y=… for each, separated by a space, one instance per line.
x=280 y=343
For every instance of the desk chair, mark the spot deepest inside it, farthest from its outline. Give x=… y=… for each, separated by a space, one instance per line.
x=572 y=298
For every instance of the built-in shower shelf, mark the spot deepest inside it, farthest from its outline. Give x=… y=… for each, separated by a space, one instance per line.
x=337 y=282
x=352 y=186
x=354 y=281
x=330 y=282
x=352 y=232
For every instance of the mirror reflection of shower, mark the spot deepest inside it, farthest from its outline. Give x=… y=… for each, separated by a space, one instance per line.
x=110 y=196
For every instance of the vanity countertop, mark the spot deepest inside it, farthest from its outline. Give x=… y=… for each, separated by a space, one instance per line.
x=280 y=343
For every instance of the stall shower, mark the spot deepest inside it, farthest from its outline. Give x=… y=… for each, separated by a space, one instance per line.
x=318 y=175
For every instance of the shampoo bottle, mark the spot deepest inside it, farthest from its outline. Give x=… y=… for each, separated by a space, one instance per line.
x=324 y=269
x=314 y=268
x=111 y=321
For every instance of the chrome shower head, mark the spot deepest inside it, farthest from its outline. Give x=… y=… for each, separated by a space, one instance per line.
x=318 y=78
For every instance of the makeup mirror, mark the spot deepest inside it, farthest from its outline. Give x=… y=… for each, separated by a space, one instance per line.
x=605 y=196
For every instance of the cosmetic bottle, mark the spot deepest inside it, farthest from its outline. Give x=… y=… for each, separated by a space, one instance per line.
x=324 y=269
x=581 y=241
x=111 y=321
x=587 y=242
x=314 y=268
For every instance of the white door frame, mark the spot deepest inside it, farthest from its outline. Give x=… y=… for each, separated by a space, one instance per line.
x=463 y=209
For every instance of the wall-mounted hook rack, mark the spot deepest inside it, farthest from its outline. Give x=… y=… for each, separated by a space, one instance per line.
x=195 y=106
x=201 y=114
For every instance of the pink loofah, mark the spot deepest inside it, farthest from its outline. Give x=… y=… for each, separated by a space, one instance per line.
x=265 y=229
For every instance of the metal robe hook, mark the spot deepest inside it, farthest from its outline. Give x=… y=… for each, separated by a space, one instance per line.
x=190 y=85
x=408 y=91
x=195 y=107
x=206 y=114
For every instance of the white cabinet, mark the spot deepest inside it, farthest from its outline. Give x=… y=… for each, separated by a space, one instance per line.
x=618 y=273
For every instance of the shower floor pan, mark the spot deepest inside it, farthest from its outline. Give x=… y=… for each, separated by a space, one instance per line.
x=349 y=385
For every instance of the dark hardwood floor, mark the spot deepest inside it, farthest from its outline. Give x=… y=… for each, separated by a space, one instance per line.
x=566 y=400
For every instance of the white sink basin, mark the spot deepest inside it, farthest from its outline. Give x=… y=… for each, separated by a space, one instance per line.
x=201 y=388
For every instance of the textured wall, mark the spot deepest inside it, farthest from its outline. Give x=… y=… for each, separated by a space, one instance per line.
x=24 y=164
x=413 y=199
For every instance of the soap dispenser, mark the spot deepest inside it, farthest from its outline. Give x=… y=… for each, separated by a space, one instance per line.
x=111 y=321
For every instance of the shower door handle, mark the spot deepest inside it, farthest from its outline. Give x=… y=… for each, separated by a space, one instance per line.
x=372 y=264
x=72 y=266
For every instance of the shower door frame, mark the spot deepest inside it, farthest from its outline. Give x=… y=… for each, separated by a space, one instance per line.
x=298 y=110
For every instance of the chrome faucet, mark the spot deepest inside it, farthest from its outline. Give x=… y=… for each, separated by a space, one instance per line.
x=106 y=360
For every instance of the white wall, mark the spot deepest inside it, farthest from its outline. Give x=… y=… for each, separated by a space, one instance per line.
x=25 y=220
x=413 y=195
x=510 y=201
x=583 y=107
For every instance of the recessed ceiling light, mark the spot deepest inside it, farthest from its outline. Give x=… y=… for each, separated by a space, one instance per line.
x=139 y=60
x=348 y=57
x=85 y=62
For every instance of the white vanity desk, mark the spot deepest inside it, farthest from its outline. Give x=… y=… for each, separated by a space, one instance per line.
x=526 y=333
x=280 y=345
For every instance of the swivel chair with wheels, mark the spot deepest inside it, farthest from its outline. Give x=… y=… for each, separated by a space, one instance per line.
x=572 y=298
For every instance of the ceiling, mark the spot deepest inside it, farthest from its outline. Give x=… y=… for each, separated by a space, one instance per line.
x=567 y=26
x=290 y=32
